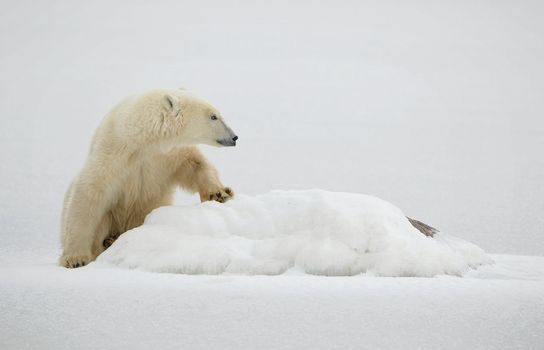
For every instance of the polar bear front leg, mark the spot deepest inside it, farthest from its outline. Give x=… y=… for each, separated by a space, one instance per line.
x=82 y=219
x=197 y=174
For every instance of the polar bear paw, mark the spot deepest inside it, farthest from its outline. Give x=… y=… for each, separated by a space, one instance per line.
x=109 y=240
x=220 y=195
x=73 y=261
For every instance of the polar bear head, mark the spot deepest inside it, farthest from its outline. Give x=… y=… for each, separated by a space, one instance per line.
x=201 y=122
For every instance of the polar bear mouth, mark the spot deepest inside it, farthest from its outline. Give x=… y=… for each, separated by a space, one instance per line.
x=228 y=142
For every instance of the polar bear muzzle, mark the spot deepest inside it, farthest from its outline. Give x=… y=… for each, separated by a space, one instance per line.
x=228 y=141
x=226 y=137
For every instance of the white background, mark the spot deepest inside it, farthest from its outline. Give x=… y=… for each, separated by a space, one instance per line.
x=434 y=106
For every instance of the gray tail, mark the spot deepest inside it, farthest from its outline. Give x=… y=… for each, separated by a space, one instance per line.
x=423 y=228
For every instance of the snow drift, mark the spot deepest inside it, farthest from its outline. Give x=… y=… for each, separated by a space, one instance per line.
x=314 y=231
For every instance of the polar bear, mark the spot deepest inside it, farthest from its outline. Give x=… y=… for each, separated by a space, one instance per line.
x=141 y=152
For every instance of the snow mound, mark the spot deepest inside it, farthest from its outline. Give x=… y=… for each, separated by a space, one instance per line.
x=314 y=231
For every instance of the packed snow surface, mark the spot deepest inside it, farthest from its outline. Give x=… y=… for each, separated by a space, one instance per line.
x=315 y=231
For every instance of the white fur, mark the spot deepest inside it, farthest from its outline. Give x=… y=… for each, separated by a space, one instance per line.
x=142 y=150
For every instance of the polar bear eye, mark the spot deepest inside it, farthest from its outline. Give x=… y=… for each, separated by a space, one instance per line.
x=213 y=117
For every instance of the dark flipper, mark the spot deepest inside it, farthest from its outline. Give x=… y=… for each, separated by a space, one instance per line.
x=423 y=228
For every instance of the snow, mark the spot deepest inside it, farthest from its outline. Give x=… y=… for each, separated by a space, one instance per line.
x=498 y=306
x=315 y=231
x=434 y=106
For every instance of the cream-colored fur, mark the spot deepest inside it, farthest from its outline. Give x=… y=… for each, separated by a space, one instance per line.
x=141 y=152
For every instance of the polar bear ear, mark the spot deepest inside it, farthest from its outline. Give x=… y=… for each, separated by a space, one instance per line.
x=172 y=104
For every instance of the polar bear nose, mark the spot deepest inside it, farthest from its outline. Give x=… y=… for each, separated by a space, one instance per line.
x=235 y=138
